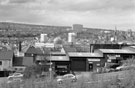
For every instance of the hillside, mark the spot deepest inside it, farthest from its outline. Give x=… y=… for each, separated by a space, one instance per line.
x=30 y=27
x=43 y=28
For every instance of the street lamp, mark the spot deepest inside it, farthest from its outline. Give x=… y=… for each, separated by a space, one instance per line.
x=50 y=69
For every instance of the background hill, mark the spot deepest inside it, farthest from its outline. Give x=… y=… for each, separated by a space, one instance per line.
x=8 y=26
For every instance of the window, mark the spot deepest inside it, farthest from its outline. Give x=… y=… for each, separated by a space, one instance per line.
x=70 y=76
x=0 y=62
x=15 y=68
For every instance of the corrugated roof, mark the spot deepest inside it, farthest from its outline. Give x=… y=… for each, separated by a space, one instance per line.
x=76 y=48
x=84 y=54
x=59 y=58
x=6 y=55
x=123 y=51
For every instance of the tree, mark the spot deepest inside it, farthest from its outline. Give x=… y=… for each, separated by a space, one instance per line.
x=58 y=40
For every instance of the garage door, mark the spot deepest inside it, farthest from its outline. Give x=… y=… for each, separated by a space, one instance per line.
x=78 y=64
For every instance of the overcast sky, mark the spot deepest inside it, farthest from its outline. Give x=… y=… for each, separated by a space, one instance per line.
x=90 y=13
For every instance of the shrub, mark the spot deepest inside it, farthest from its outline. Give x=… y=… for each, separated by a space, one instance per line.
x=32 y=71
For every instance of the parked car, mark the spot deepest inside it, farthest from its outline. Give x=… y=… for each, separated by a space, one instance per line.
x=109 y=70
x=62 y=72
x=15 y=77
x=67 y=77
x=125 y=67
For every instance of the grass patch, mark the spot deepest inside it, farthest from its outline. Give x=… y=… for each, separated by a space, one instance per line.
x=121 y=79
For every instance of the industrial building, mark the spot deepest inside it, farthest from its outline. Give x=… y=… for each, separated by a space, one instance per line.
x=64 y=61
x=85 y=61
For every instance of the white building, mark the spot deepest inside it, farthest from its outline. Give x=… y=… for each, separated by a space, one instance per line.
x=71 y=37
x=43 y=38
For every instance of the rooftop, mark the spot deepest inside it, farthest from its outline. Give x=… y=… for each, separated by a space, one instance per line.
x=121 y=51
x=76 y=48
x=6 y=55
x=59 y=58
x=34 y=50
x=84 y=54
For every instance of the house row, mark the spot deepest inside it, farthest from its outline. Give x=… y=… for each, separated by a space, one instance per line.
x=66 y=60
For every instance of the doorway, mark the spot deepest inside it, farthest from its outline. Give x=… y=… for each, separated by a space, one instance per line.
x=90 y=67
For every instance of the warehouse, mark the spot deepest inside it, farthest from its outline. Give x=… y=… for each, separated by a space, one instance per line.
x=60 y=62
x=115 y=55
x=85 y=61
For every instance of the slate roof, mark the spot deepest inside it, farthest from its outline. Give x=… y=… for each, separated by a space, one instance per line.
x=6 y=55
x=69 y=48
x=33 y=50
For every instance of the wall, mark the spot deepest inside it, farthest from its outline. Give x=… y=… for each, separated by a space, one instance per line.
x=6 y=64
x=97 y=63
x=78 y=63
x=28 y=61
x=18 y=61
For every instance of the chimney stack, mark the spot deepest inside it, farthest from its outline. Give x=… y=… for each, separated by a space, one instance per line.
x=20 y=46
x=91 y=48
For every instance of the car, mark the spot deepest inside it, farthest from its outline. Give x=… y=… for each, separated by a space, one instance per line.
x=109 y=70
x=67 y=77
x=62 y=71
x=125 y=67
x=15 y=77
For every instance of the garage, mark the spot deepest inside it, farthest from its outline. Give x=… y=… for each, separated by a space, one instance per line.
x=84 y=61
x=78 y=64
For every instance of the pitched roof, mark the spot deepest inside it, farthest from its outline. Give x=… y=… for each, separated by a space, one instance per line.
x=69 y=48
x=6 y=55
x=25 y=48
x=121 y=51
x=84 y=54
x=33 y=50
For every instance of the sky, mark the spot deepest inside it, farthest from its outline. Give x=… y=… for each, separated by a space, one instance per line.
x=90 y=13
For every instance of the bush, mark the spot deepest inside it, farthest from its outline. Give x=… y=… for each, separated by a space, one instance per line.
x=32 y=71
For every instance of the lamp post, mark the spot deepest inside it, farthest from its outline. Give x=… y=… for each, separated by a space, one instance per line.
x=50 y=69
